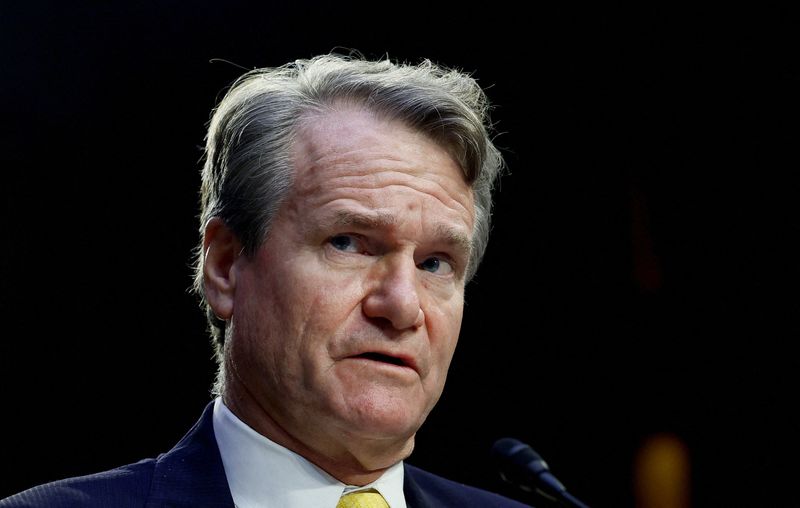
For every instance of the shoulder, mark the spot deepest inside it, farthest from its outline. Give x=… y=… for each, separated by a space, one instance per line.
x=123 y=487
x=434 y=490
x=190 y=474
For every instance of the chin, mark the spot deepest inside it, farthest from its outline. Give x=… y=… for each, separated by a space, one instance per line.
x=385 y=423
x=381 y=454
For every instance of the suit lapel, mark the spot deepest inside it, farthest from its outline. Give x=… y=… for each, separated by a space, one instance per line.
x=192 y=474
x=415 y=496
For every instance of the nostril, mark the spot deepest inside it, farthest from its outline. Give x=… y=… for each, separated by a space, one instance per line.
x=381 y=323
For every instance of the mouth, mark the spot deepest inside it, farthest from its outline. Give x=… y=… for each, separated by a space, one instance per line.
x=384 y=358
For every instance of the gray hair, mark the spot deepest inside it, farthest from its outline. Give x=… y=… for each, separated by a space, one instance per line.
x=248 y=167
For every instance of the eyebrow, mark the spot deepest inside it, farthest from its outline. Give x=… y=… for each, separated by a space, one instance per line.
x=444 y=232
x=346 y=218
x=454 y=238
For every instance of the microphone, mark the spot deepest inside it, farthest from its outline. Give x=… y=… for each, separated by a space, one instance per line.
x=521 y=466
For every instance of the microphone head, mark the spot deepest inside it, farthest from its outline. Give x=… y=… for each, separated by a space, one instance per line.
x=521 y=455
x=508 y=447
x=521 y=466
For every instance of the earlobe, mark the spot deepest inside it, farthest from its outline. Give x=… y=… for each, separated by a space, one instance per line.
x=221 y=248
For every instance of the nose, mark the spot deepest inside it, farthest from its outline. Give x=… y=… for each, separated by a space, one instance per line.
x=393 y=295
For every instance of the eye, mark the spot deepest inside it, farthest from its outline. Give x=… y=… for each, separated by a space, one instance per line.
x=436 y=265
x=344 y=243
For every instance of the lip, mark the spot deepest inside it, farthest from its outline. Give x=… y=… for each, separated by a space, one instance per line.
x=391 y=359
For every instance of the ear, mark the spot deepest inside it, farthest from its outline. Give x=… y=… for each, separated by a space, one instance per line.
x=221 y=248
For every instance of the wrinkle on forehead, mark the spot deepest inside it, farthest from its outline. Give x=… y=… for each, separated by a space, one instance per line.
x=364 y=177
x=331 y=136
x=355 y=150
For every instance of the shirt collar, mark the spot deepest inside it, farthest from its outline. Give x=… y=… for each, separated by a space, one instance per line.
x=264 y=474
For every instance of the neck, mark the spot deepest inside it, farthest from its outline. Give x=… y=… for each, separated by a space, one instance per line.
x=352 y=463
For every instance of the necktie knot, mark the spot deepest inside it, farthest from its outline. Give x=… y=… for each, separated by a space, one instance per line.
x=362 y=499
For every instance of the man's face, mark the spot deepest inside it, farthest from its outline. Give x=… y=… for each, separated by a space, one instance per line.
x=346 y=319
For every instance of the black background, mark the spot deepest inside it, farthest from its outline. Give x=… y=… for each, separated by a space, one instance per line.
x=640 y=277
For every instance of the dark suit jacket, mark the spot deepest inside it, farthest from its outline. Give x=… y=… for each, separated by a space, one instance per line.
x=191 y=474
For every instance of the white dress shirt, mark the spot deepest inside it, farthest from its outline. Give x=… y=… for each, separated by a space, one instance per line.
x=264 y=474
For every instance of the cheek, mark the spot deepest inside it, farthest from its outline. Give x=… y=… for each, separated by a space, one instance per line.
x=314 y=314
x=443 y=330
x=445 y=322
x=263 y=318
x=324 y=299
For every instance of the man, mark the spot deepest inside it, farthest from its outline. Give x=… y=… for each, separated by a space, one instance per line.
x=345 y=205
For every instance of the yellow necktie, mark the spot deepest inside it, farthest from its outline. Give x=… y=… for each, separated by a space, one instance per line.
x=362 y=499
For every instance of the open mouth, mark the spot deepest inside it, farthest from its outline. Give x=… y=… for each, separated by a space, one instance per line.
x=379 y=357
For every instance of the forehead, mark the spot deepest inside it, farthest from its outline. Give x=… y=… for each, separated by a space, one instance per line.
x=356 y=147
x=349 y=129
